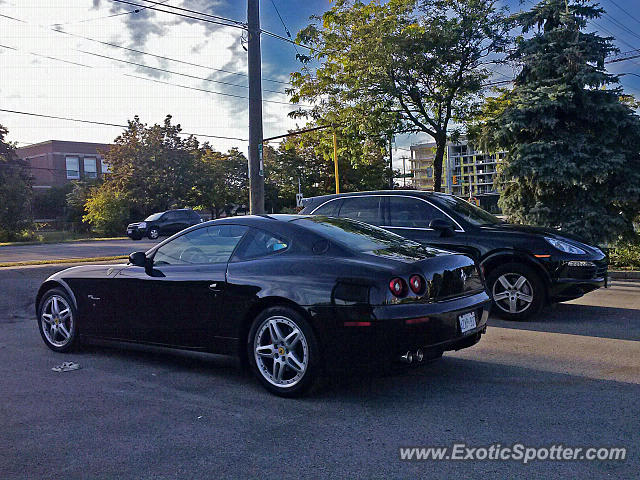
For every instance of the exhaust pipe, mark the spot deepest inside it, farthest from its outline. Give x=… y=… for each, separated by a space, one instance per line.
x=419 y=356
x=407 y=357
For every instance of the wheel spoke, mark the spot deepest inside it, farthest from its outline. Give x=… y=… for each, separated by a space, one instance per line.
x=55 y=308
x=294 y=363
x=505 y=283
x=519 y=283
x=52 y=332
x=278 y=369
x=48 y=318
x=274 y=330
x=513 y=305
x=265 y=350
x=292 y=338
x=65 y=313
x=501 y=296
x=524 y=297
x=63 y=331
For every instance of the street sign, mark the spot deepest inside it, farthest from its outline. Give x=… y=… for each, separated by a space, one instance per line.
x=299 y=198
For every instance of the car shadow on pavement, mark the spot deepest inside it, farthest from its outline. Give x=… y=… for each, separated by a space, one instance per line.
x=574 y=319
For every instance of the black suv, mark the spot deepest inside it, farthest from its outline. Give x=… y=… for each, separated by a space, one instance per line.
x=525 y=267
x=163 y=223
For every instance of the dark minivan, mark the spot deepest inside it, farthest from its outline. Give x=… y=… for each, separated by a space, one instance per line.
x=525 y=267
x=163 y=223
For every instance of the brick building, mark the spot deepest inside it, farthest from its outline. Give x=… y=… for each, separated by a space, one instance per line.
x=55 y=163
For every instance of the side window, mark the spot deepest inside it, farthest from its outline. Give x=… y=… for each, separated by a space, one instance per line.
x=204 y=245
x=330 y=209
x=412 y=213
x=364 y=209
x=260 y=244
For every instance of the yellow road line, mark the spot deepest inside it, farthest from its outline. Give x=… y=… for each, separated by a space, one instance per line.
x=62 y=260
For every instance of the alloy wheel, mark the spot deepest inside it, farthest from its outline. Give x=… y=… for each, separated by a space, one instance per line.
x=281 y=351
x=57 y=321
x=512 y=293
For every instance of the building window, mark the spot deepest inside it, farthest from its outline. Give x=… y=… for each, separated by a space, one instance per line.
x=90 y=168
x=106 y=168
x=73 y=168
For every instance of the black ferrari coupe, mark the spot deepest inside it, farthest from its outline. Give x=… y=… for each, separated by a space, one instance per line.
x=292 y=295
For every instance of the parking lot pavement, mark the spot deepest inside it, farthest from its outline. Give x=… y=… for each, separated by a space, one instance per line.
x=83 y=249
x=571 y=377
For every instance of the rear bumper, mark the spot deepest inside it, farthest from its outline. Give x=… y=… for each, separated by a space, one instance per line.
x=389 y=331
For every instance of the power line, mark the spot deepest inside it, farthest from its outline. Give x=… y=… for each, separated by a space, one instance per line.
x=625 y=11
x=611 y=18
x=225 y=23
x=141 y=52
x=174 y=73
x=235 y=24
x=93 y=122
x=207 y=91
x=210 y=15
x=137 y=10
x=158 y=81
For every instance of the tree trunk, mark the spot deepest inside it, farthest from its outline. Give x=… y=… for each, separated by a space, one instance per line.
x=441 y=145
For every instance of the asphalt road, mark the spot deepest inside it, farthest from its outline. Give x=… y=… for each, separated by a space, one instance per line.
x=571 y=377
x=85 y=249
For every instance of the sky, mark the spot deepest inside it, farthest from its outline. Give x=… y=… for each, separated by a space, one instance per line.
x=46 y=72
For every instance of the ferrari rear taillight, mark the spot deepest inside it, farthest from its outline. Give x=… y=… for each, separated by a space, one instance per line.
x=416 y=283
x=398 y=287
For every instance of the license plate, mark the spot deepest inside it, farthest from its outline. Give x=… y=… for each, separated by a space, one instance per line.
x=467 y=321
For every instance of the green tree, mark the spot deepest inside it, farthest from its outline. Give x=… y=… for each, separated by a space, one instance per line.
x=76 y=200
x=400 y=65
x=16 y=193
x=107 y=211
x=222 y=181
x=153 y=166
x=573 y=147
x=308 y=157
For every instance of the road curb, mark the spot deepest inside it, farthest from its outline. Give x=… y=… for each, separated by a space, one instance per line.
x=61 y=261
x=624 y=275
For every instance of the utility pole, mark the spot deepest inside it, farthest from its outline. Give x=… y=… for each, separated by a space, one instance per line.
x=404 y=172
x=335 y=161
x=391 y=162
x=256 y=166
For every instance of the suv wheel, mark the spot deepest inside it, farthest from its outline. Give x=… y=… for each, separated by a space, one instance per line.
x=154 y=233
x=517 y=291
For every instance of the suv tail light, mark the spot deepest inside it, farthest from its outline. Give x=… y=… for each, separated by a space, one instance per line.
x=398 y=287
x=416 y=283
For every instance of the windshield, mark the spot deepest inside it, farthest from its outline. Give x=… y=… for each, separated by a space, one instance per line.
x=360 y=236
x=469 y=212
x=153 y=217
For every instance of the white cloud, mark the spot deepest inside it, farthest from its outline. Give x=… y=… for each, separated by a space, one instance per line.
x=103 y=92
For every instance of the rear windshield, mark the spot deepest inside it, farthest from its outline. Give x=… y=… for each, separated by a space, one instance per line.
x=153 y=217
x=355 y=235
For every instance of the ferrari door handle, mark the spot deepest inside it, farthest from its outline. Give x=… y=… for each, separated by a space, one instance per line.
x=215 y=287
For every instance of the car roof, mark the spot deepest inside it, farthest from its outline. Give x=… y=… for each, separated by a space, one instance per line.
x=256 y=220
x=413 y=193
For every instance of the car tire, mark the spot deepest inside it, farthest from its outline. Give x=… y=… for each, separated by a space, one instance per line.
x=517 y=291
x=265 y=349
x=154 y=233
x=58 y=321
